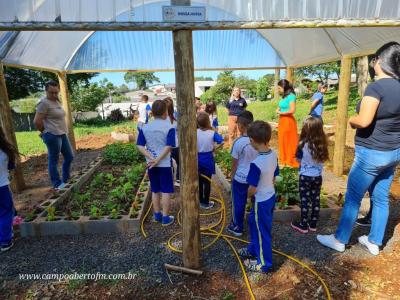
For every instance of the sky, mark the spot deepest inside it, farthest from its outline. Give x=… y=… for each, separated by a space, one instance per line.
x=117 y=78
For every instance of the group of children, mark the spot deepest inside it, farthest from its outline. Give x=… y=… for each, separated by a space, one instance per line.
x=254 y=168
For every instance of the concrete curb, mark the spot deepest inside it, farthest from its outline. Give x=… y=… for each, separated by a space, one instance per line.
x=283 y=215
x=84 y=225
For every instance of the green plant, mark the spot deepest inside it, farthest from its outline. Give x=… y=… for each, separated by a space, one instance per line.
x=224 y=159
x=119 y=153
x=95 y=212
x=51 y=211
x=287 y=187
x=110 y=179
x=114 y=214
x=30 y=215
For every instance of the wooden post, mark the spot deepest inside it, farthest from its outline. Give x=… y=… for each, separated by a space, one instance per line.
x=341 y=115
x=187 y=130
x=362 y=74
x=290 y=75
x=66 y=104
x=276 y=80
x=18 y=182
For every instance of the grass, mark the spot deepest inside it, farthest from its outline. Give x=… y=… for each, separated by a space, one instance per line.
x=29 y=142
x=266 y=110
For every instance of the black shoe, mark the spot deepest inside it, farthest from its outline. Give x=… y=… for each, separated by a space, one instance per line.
x=300 y=227
x=6 y=247
x=365 y=221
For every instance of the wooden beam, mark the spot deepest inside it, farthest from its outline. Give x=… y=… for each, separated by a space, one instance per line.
x=6 y=120
x=290 y=74
x=341 y=115
x=276 y=80
x=187 y=130
x=66 y=104
x=362 y=74
x=208 y=25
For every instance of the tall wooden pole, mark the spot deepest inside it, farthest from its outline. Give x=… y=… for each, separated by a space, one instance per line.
x=18 y=182
x=341 y=115
x=66 y=104
x=290 y=74
x=184 y=76
x=276 y=80
x=362 y=74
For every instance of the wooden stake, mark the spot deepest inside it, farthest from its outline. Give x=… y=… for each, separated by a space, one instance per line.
x=183 y=269
x=276 y=80
x=341 y=115
x=187 y=130
x=66 y=104
x=6 y=120
x=290 y=75
x=362 y=74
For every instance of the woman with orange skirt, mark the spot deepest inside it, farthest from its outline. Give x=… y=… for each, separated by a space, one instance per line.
x=287 y=127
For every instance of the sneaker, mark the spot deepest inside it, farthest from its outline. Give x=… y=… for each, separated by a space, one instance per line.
x=331 y=242
x=252 y=266
x=234 y=230
x=167 y=220
x=372 y=248
x=6 y=247
x=245 y=253
x=312 y=227
x=208 y=205
x=157 y=217
x=61 y=186
x=177 y=183
x=364 y=221
x=299 y=226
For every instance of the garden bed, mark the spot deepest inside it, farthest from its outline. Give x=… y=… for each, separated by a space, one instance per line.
x=110 y=195
x=287 y=206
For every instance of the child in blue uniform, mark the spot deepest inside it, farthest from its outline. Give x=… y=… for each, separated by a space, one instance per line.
x=7 y=162
x=211 y=109
x=261 y=179
x=155 y=141
x=243 y=154
x=206 y=140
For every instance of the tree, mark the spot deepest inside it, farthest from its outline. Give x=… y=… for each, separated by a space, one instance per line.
x=265 y=86
x=142 y=79
x=22 y=83
x=322 y=71
x=88 y=98
x=250 y=85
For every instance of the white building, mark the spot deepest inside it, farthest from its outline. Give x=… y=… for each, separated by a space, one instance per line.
x=201 y=87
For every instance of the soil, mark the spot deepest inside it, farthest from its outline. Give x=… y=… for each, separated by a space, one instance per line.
x=36 y=174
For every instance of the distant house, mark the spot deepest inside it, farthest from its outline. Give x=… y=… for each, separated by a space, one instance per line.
x=158 y=89
x=170 y=87
x=200 y=87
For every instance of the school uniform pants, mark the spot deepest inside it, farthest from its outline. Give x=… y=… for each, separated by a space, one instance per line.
x=260 y=225
x=239 y=200
x=6 y=215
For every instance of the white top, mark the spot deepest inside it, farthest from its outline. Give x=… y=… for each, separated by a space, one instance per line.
x=156 y=135
x=175 y=126
x=143 y=110
x=4 y=173
x=262 y=173
x=308 y=166
x=243 y=151
x=206 y=140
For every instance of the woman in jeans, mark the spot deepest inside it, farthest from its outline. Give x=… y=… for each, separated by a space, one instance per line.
x=50 y=121
x=377 y=152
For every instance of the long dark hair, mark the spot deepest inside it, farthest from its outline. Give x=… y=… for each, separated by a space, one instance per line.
x=203 y=121
x=389 y=58
x=170 y=108
x=7 y=147
x=313 y=134
x=287 y=87
x=211 y=108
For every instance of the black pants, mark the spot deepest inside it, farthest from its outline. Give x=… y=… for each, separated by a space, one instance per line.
x=175 y=156
x=204 y=189
x=310 y=189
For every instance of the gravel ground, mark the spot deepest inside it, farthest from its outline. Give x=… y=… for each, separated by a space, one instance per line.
x=121 y=253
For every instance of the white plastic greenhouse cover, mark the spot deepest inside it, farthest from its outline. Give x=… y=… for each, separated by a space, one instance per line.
x=214 y=49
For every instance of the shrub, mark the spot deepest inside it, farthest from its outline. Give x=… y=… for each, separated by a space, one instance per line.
x=116 y=116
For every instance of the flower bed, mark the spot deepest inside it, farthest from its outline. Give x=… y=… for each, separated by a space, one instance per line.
x=113 y=198
x=286 y=187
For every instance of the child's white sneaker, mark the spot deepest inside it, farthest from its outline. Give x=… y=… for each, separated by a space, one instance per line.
x=372 y=248
x=331 y=242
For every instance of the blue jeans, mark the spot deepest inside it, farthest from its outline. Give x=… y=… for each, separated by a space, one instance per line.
x=56 y=144
x=6 y=215
x=372 y=170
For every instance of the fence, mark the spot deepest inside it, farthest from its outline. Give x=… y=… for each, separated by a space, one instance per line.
x=23 y=121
